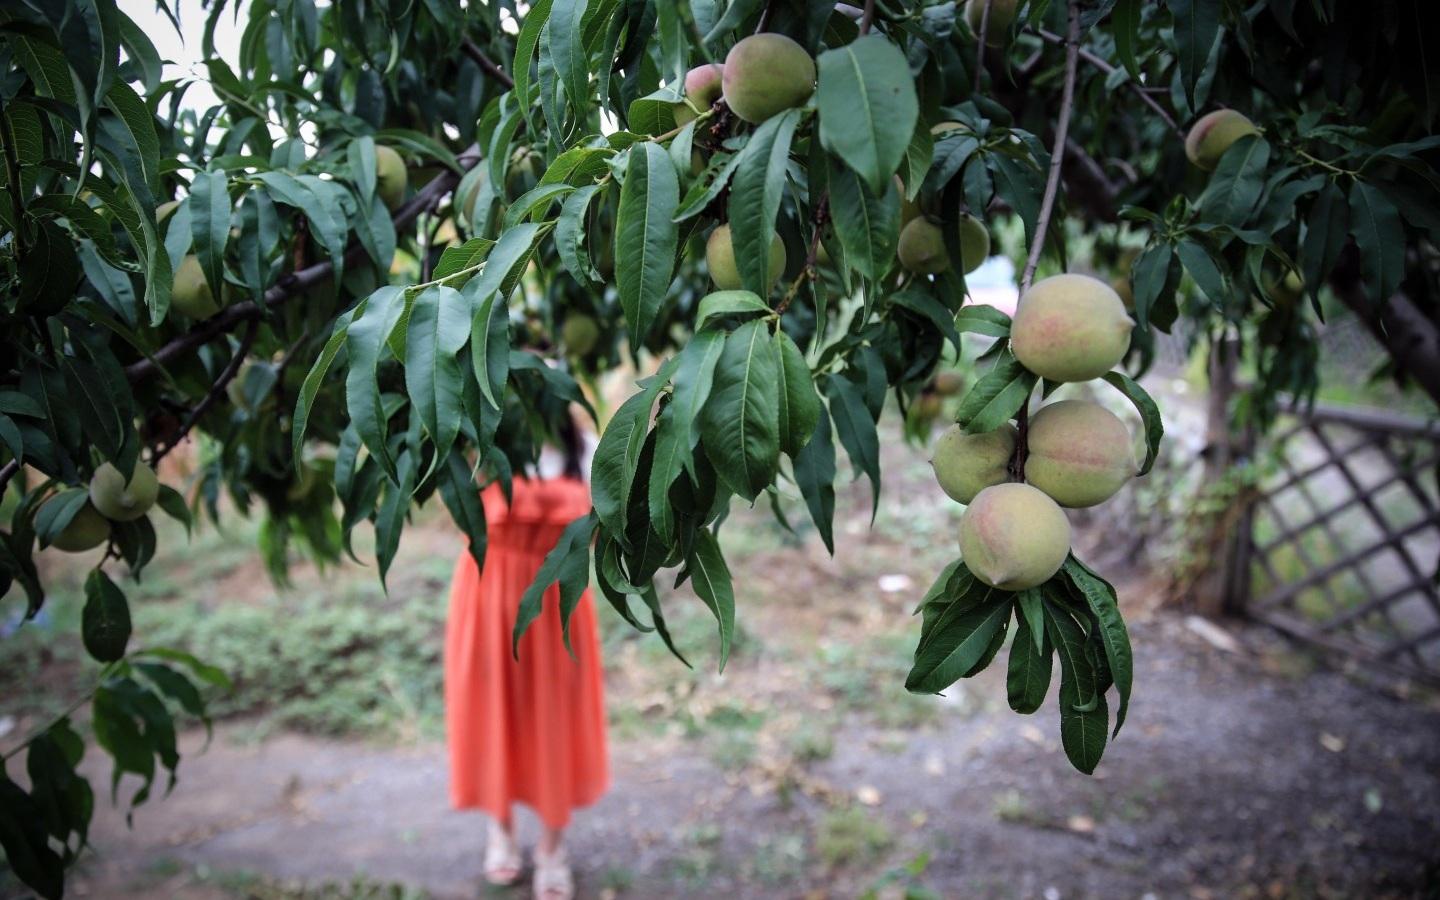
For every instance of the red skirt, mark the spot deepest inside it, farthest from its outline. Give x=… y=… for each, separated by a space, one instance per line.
x=530 y=731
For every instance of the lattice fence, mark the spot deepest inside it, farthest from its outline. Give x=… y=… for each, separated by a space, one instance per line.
x=1345 y=538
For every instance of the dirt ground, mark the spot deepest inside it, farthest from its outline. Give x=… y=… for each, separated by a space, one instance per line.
x=807 y=771
x=1230 y=780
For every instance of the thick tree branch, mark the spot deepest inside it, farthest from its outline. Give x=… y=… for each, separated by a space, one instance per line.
x=1105 y=67
x=980 y=43
x=425 y=200
x=486 y=64
x=1411 y=337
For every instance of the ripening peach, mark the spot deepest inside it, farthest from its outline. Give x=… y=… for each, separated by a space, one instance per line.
x=1070 y=328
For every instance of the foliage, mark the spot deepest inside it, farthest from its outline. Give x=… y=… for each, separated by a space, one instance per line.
x=377 y=356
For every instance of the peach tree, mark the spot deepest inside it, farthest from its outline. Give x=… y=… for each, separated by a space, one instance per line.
x=379 y=271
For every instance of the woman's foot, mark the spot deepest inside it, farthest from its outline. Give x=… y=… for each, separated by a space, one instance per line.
x=502 y=857
x=553 y=878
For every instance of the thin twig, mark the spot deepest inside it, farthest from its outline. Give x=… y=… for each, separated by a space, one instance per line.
x=7 y=473
x=1057 y=153
x=980 y=42
x=867 y=18
x=819 y=219
x=70 y=710
x=1105 y=67
x=486 y=64
x=1047 y=209
x=232 y=368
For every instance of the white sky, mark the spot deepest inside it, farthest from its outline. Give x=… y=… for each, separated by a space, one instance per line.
x=183 y=57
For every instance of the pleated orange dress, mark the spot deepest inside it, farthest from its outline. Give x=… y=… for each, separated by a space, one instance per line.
x=530 y=731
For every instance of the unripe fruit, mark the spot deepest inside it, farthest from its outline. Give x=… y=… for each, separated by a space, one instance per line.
x=702 y=89
x=766 y=74
x=1286 y=290
x=86 y=531
x=1070 y=328
x=926 y=408
x=720 y=258
x=190 y=294
x=1213 y=134
x=390 y=176
x=119 y=501
x=1080 y=453
x=579 y=334
x=1013 y=537
x=966 y=464
x=997 y=27
x=922 y=248
x=941 y=128
x=947 y=383
x=974 y=243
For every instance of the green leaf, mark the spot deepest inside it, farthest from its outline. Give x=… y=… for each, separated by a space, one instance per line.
x=978 y=318
x=1151 y=278
x=867 y=222
x=755 y=194
x=310 y=388
x=1197 y=27
x=711 y=578
x=57 y=513
x=868 y=107
x=570 y=234
x=361 y=155
x=1325 y=229
x=708 y=186
x=1125 y=27
x=1149 y=415
x=1084 y=716
x=1380 y=238
x=1202 y=268
x=815 y=476
x=645 y=236
x=567 y=50
x=172 y=503
x=105 y=620
x=568 y=563
x=618 y=453
x=364 y=341
x=1021 y=184
x=857 y=432
x=1100 y=597
x=1237 y=183
x=931 y=310
x=466 y=256
x=677 y=429
x=438 y=328
x=721 y=304
x=390 y=520
x=739 y=423
x=462 y=498
x=997 y=396
x=210 y=225
x=799 y=404
x=957 y=639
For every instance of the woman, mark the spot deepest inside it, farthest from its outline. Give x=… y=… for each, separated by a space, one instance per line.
x=531 y=730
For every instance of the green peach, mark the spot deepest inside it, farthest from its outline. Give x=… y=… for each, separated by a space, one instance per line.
x=1080 y=453
x=1070 y=328
x=1013 y=537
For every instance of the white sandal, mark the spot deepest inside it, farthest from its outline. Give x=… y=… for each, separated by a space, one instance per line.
x=503 y=864
x=553 y=878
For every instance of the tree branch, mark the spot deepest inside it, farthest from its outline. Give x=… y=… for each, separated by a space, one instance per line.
x=1105 y=67
x=1411 y=337
x=232 y=368
x=867 y=18
x=1057 y=154
x=980 y=43
x=426 y=199
x=486 y=64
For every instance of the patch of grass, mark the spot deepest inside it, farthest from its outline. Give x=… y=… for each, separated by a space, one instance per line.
x=252 y=886
x=869 y=679
x=812 y=741
x=346 y=663
x=1012 y=807
x=852 y=836
x=699 y=855
x=780 y=859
